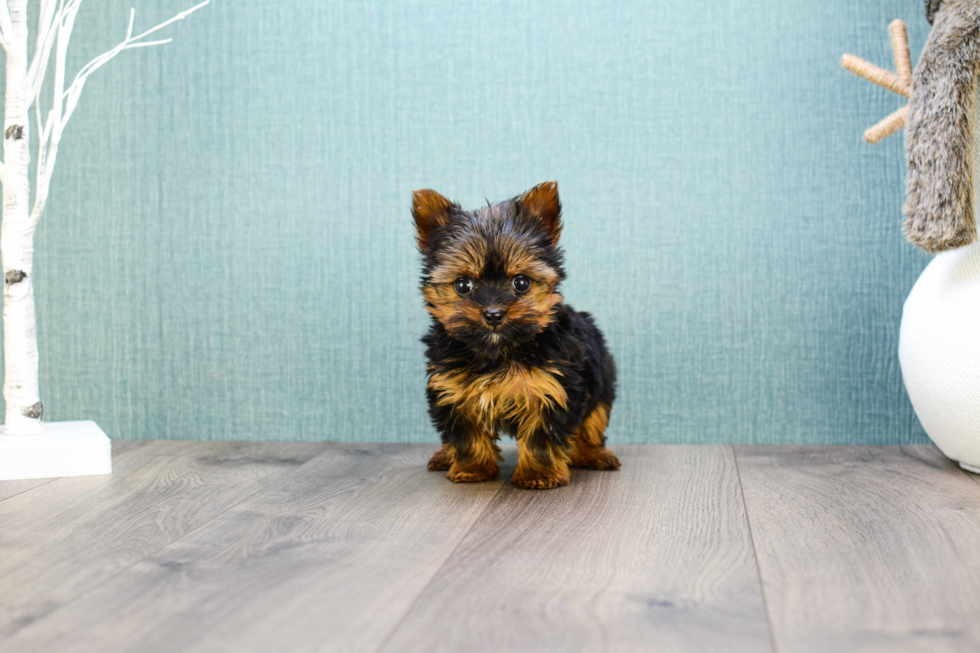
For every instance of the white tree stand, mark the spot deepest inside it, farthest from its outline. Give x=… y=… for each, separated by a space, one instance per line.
x=63 y=449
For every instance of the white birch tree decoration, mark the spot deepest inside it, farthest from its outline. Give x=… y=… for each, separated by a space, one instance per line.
x=27 y=450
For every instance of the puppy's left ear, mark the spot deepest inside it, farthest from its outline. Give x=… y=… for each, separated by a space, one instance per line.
x=541 y=203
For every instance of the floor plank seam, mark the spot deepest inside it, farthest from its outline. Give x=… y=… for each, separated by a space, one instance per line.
x=755 y=553
x=32 y=488
x=435 y=573
x=122 y=570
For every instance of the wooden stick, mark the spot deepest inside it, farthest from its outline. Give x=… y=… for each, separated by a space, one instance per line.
x=874 y=74
x=886 y=127
x=900 y=48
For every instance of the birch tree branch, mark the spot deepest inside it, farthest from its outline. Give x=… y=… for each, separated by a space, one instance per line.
x=50 y=15
x=6 y=28
x=50 y=136
x=75 y=89
x=62 y=21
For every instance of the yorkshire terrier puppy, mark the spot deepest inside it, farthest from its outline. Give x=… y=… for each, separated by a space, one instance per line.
x=505 y=354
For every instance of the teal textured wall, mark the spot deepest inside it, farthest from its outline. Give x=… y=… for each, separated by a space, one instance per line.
x=228 y=252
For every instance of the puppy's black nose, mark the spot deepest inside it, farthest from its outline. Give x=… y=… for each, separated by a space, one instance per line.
x=493 y=315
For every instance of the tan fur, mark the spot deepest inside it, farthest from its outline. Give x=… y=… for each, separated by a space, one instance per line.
x=536 y=307
x=431 y=212
x=449 y=308
x=518 y=395
x=466 y=261
x=469 y=260
x=513 y=393
x=588 y=450
x=441 y=460
x=542 y=203
x=480 y=463
x=541 y=471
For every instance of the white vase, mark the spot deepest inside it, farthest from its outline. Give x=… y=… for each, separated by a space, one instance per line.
x=939 y=350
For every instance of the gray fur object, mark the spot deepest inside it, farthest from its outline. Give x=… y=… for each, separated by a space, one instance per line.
x=938 y=130
x=932 y=6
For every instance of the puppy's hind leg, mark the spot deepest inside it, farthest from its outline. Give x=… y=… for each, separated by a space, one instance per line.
x=588 y=444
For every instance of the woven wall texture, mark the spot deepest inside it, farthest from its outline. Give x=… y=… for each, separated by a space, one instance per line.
x=228 y=251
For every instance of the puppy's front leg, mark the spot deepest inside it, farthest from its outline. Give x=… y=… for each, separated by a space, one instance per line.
x=542 y=461
x=469 y=451
x=474 y=457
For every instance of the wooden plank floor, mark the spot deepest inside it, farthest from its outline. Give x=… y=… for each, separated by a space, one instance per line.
x=355 y=547
x=657 y=552
x=866 y=548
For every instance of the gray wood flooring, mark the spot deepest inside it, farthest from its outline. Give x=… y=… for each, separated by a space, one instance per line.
x=193 y=546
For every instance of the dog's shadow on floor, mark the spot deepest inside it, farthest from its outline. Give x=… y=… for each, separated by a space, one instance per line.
x=507 y=466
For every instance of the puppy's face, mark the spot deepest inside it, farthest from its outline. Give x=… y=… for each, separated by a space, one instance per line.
x=490 y=276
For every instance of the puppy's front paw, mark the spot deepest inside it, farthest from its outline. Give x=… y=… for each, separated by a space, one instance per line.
x=540 y=480
x=473 y=473
x=608 y=460
x=440 y=461
x=598 y=458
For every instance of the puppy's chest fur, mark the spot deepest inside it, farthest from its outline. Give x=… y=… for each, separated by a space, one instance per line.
x=513 y=396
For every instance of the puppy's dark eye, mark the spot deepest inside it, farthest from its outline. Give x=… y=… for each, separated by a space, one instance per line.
x=522 y=284
x=463 y=285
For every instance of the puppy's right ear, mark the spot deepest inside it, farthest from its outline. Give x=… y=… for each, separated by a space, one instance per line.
x=431 y=213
